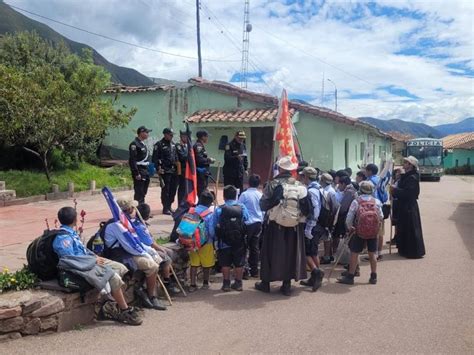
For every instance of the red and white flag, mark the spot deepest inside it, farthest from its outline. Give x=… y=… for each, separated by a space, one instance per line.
x=284 y=131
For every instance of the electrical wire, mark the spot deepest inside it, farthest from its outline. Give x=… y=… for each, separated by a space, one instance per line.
x=121 y=41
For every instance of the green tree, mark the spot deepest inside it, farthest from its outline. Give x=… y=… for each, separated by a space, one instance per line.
x=50 y=98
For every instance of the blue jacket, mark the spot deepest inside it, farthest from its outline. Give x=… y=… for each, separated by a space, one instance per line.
x=69 y=244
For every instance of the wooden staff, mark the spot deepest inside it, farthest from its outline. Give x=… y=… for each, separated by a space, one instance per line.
x=164 y=288
x=216 y=187
x=339 y=256
x=171 y=264
x=391 y=224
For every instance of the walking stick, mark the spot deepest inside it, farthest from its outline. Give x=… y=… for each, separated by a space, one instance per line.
x=177 y=280
x=391 y=225
x=339 y=256
x=216 y=188
x=164 y=289
x=171 y=263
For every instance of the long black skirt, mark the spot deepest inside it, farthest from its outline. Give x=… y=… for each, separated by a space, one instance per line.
x=410 y=242
x=283 y=253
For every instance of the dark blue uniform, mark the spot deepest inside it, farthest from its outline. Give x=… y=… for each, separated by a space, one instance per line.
x=165 y=159
x=235 y=164
x=138 y=162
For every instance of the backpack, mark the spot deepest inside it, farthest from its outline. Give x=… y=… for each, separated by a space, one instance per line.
x=41 y=257
x=288 y=213
x=367 y=219
x=96 y=243
x=326 y=215
x=191 y=229
x=230 y=228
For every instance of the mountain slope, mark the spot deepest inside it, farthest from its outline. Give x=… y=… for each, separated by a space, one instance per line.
x=466 y=125
x=12 y=21
x=412 y=128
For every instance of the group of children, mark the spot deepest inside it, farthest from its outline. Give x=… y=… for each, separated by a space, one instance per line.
x=230 y=233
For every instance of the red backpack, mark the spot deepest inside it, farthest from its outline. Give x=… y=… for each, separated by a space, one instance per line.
x=367 y=219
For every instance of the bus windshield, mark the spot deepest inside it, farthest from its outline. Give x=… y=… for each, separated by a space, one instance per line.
x=427 y=155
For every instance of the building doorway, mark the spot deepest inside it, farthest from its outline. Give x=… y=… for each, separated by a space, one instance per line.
x=261 y=154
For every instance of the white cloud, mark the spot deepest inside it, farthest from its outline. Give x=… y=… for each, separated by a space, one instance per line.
x=359 y=48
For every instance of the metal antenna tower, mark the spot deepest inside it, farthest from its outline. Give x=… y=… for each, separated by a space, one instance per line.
x=245 y=46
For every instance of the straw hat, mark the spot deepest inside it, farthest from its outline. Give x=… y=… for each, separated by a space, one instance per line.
x=412 y=160
x=366 y=187
x=310 y=172
x=285 y=163
x=126 y=204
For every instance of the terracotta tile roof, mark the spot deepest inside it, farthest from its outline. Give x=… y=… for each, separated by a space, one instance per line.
x=460 y=141
x=248 y=116
x=129 y=89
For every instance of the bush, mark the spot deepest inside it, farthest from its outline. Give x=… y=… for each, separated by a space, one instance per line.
x=19 y=280
x=460 y=170
x=31 y=183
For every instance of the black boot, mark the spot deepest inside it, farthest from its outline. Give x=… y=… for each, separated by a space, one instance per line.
x=318 y=278
x=373 y=278
x=347 y=279
x=310 y=282
x=226 y=286
x=263 y=286
x=285 y=288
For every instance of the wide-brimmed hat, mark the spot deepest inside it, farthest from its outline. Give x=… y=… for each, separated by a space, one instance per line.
x=286 y=163
x=412 y=160
x=126 y=204
x=327 y=178
x=366 y=187
x=310 y=172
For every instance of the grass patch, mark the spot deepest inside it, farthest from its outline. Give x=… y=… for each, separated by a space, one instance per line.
x=31 y=183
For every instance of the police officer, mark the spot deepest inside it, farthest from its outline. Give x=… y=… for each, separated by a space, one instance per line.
x=166 y=159
x=235 y=161
x=138 y=162
x=182 y=151
x=202 y=161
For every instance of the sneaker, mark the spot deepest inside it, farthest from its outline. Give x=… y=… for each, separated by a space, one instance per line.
x=192 y=288
x=346 y=279
x=143 y=297
x=157 y=304
x=263 y=286
x=237 y=286
x=326 y=260
x=226 y=286
x=205 y=287
x=172 y=289
x=108 y=311
x=129 y=316
x=318 y=279
x=373 y=278
x=356 y=274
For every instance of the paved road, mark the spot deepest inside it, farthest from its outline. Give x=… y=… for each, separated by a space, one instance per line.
x=421 y=306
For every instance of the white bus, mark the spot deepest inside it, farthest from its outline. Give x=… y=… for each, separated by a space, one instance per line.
x=429 y=152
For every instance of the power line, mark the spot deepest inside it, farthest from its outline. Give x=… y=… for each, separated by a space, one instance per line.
x=119 y=40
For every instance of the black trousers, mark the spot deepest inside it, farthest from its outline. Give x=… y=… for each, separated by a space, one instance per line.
x=168 y=192
x=181 y=188
x=202 y=182
x=253 y=246
x=236 y=181
x=141 y=188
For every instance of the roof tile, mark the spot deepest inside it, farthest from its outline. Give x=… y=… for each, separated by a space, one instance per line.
x=459 y=141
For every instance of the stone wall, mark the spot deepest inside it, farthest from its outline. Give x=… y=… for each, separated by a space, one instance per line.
x=32 y=312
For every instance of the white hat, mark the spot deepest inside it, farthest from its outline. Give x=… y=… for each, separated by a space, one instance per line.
x=126 y=204
x=286 y=163
x=412 y=160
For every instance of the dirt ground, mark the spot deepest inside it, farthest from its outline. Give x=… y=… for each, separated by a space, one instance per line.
x=418 y=306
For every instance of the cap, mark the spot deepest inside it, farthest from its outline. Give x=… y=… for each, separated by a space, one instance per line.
x=240 y=134
x=143 y=129
x=366 y=187
x=310 y=172
x=412 y=160
x=126 y=204
x=327 y=178
x=168 y=131
x=183 y=132
x=202 y=133
x=286 y=163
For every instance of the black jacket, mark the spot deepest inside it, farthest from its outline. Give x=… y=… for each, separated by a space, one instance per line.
x=138 y=157
x=200 y=154
x=233 y=166
x=165 y=156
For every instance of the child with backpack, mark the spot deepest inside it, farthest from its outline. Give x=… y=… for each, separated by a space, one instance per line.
x=363 y=222
x=250 y=198
x=72 y=253
x=194 y=236
x=228 y=225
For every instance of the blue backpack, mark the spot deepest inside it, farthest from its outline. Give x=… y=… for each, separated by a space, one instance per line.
x=191 y=230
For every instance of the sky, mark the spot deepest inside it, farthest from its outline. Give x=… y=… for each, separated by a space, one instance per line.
x=411 y=60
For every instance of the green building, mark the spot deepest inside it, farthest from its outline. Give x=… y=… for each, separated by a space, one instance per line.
x=329 y=140
x=458 y=150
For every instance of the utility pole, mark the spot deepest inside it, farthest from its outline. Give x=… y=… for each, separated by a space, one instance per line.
x=245 y=46
x=335 y=94
x=198 y=31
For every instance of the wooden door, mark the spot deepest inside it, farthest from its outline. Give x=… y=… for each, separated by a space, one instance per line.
x=261 y=154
